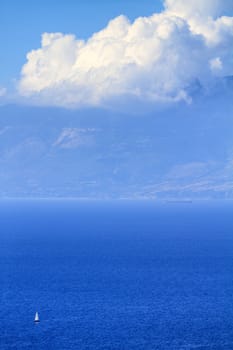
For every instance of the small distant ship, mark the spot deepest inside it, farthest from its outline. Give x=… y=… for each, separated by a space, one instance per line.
x=181 y=201
x=36 y=319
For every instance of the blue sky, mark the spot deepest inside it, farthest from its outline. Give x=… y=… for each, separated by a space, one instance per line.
x=22 y=23
x=104 y=54
x=116 y=99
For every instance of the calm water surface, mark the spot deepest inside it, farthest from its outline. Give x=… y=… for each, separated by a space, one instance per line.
x=118 y=275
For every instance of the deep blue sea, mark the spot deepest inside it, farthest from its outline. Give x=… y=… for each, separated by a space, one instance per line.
x=116 y=275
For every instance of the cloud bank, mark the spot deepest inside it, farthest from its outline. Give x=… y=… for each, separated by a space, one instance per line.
x=157 y=59
x=3 y=91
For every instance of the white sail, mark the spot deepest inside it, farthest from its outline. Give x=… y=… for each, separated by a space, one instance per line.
x=37 y=317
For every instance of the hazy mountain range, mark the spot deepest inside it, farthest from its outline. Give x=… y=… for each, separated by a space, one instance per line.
x=178 y=152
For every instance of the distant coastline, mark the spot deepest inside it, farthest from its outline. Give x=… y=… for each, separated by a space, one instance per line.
x=188 y=201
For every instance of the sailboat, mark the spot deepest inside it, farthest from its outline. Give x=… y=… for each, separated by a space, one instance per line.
x=36 y=319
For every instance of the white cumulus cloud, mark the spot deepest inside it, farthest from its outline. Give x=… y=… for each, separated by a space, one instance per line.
x=199 y=8
x=156 y=58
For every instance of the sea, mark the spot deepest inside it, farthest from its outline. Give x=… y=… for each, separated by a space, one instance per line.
x=116 y=275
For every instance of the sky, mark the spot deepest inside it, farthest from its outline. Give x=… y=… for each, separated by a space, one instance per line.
x=22 y=23
x=116 y=99
x=77 y=54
